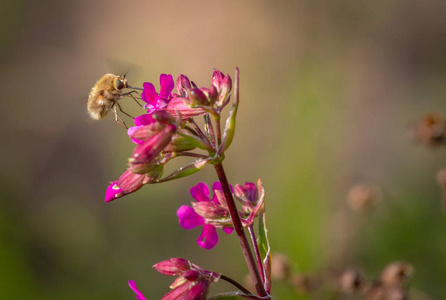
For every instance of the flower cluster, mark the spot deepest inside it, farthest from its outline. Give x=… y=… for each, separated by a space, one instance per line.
x=192 y=282
x=168 y=130
x=213 y=213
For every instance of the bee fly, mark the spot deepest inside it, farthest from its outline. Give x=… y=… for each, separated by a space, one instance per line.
x=105 y=94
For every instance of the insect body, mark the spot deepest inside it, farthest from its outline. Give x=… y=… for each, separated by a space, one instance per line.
x=104 y=97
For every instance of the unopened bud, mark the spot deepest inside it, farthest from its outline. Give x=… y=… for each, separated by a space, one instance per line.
x=142 y=133
x=126 y=184
x=173 y=266
x=179 y=106
x=163 y=117
x=191 y=275
x=183 y=85
x=144 y=153
x=197 y=98
x=209 y=210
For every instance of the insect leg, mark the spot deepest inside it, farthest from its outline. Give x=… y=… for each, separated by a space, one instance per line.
x=130 y=94
x=118 y=118
x=119 y=106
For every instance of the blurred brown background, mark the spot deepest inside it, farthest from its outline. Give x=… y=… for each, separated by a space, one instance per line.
x=327 y=91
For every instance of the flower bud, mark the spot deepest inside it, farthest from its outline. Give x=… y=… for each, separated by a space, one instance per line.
x=191 y=275
x=126 y=184
x=198 y=291
x=223 y=85
x=163 y=117
x=178 y=105
x=183 y=86
x=209 y=210
x=173 y=266
x=181 y=143
x=197 y=98
x=143 y=132
x=147 y=151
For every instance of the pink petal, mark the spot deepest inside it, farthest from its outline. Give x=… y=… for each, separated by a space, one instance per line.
x=178 y=292
x=217 y=186
x=149 y=94
x=198 y=291
x=132 y=130
x=138 y=295
x=145 y=119
x=250 y=191
x=188 y=218
x=177 y=105
x=200 y=192
x=228 y=230
x=113 y=192
x=166 y=86
x=208 y=238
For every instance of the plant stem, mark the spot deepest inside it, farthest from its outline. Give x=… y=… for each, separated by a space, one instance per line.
x=244 y=244
x=256 y=252
x=235 y=283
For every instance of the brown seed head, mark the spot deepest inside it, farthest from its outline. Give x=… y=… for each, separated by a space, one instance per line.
x=431 y=129
x=396 y=273
x=280 y=267
x=351 y=280
x=364 y=195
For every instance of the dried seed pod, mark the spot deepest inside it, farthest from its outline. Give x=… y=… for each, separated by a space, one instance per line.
x=396 y=273
x=280 y=267
x=351 y=280
x=363 y=196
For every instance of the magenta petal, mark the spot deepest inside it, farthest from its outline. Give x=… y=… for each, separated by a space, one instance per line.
x=145 y=119
x=208 y=238
x=250 y=191
x=200 y=192
x=188 y=218
x=138 y=295
x=132 y=130
x=149 y=94
x=166 y=86
x=217 y=186
x=113 y=192
x=228 y=230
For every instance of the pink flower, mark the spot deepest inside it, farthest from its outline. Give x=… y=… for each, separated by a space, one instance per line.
x=154 y=100
x=206 y=212
x=126 y=184
x=140 y=121
x=192 y=282
x=138 y=295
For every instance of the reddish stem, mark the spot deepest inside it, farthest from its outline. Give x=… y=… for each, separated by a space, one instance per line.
x=247 y=253
x=256 y=252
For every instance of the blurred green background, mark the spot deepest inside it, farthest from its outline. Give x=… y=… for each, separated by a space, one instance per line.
x=327 y=91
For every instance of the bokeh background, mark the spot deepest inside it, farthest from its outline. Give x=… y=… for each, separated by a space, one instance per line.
x=327 y=91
